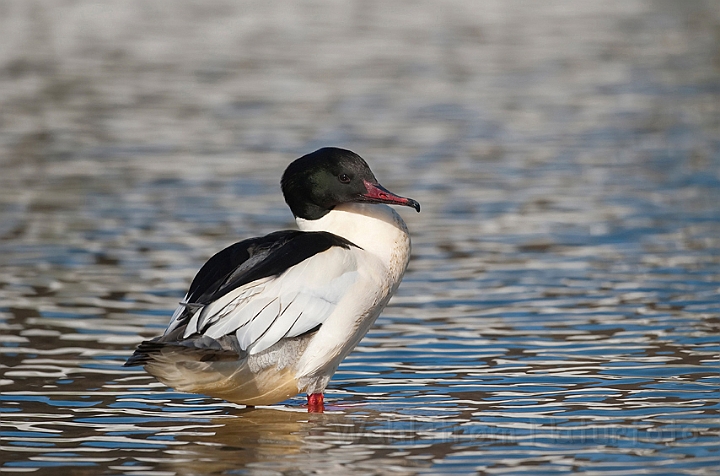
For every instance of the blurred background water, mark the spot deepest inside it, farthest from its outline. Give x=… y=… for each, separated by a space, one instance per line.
x=560 y=313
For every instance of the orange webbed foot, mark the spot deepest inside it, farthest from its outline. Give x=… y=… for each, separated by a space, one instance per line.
x=315 y=403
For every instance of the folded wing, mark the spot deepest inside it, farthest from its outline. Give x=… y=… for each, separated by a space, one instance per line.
x=256 y=292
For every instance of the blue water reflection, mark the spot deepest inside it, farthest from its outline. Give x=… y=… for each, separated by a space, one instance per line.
x=560 y=312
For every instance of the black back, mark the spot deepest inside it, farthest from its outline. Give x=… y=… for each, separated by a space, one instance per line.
x=257 y=258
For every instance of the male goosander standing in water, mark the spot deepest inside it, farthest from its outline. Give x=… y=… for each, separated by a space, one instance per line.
x=269 y=317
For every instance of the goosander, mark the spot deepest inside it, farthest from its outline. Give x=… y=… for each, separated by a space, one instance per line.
x=273 y=316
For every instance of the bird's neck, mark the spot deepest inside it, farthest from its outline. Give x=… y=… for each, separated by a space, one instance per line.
x=376 y=228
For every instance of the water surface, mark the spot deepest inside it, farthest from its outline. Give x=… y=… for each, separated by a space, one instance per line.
x=560 y=313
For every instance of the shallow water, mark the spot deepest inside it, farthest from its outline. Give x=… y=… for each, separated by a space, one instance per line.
x=560 y=313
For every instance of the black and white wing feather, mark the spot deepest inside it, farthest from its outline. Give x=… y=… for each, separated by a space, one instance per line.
x=256 y=292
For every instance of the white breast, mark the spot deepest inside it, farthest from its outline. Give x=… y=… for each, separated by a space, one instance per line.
x=383 y=256
x=375 y=228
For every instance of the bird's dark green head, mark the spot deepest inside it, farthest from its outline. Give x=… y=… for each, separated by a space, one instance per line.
x=317 y=182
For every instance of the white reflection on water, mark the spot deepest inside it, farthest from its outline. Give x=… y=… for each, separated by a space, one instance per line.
x=560 y=312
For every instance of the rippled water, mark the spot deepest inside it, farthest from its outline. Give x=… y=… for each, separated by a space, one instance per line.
x=560 y=313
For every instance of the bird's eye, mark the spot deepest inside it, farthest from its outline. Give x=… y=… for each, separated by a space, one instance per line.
x=344 y=178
